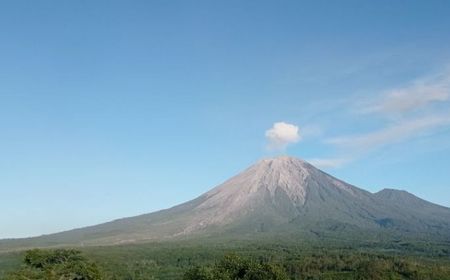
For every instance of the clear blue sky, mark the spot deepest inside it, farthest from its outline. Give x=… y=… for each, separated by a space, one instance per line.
x=116 y=108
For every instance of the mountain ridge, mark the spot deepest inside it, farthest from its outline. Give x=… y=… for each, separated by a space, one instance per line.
x=282 y=195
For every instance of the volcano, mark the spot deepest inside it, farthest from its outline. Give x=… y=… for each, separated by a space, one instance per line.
x=278 y=196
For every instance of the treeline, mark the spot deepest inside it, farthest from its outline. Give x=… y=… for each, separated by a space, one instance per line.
x=354 y=266
x=363 y=266
x=67 y=264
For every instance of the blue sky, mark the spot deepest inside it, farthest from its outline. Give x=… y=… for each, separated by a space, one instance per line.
x=116 y=108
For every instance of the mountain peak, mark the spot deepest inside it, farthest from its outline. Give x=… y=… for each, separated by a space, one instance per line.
x=283 y=163
x=282 y=158
x=260 y=184
x=390 y=193
x=400 y=196
x=280 y=172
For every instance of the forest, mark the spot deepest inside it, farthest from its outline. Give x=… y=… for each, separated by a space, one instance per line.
x=223 y=262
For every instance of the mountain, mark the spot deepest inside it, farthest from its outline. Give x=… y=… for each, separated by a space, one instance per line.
x=279 y=196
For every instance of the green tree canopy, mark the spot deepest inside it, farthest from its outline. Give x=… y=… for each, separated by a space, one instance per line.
x=59 y=264
x=233 y=267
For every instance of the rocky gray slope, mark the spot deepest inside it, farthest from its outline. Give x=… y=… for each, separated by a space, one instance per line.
x=283 y=195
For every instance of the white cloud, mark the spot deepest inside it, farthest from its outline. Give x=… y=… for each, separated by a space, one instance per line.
x=355 y=146
x=281 y=135
x=418 y=95
x=397 y=132
x=420 y=109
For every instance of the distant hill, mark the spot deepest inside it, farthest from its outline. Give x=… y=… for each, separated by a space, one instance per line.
x=282 y=196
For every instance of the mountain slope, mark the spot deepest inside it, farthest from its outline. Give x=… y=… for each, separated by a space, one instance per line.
x=282 y=196
x=422 y=215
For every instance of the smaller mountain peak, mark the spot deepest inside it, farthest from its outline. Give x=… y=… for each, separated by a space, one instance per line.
x=388 y=193
x=401 y=197
x=392 y=191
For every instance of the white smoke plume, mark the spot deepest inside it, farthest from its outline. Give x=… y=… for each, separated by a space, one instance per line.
x=281 y=135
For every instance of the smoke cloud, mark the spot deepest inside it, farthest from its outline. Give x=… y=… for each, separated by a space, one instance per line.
x=281 y=135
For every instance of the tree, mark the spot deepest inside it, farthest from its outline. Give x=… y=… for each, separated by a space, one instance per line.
x=60 y=264
x=234 y=267
x=198 y=273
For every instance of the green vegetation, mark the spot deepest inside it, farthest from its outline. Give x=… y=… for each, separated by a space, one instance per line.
x=60 y=264
x=352 y=266
x=235 y=267
x=234 y=260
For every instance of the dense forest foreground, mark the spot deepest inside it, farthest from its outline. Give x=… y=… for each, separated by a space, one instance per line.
x=230 y=261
